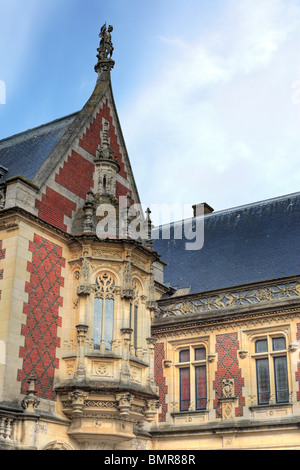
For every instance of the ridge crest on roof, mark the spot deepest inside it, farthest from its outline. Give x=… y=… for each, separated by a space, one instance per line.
x=232 y=209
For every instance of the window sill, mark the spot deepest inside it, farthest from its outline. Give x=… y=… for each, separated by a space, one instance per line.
x=276 y=410
x=269 y=405
x=104 y=354
x=189 y=413
x=190 y=417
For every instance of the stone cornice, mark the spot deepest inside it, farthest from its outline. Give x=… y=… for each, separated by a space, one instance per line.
x=223 y=322
x=11 y=214
x=229 y=303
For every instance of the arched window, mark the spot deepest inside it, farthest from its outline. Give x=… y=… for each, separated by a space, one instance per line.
x=104 y=311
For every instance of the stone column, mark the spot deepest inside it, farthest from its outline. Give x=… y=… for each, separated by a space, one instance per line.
x=80 y=373
x=151 y=346
x=125 y=368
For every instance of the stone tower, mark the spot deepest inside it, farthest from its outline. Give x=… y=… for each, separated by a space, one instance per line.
x=79 y=283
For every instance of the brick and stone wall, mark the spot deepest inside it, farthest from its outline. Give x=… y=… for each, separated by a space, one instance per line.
x=66 y=190
x=159 y=356
x=40 y=331
x=227 y=346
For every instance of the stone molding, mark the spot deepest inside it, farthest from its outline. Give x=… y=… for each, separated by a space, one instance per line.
x=254 y=295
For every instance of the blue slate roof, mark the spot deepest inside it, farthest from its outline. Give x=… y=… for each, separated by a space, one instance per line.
x=243 y=245
x=23 y=154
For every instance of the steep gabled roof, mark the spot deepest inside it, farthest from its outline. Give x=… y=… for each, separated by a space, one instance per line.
x=24 y=154
x=243 y=245
x=59 y=157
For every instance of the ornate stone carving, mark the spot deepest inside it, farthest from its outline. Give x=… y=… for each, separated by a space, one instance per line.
x=88 y=208
x=30 y=402
x=83 y=284
x=102 y=369
x=167 y=363
x=105 y=284
x=135 y=374
x=105 y=50
x=293 y=347
x=124 y=401
x=6 y=429
x=128 y=290
x=149 y=242
x=2 y=198
x=228 y=388
x=57 y=445
x=228 y=300
x=151 y=303
x=211 y=357
x=151 y=410
x=243 y=354
x=77 y=399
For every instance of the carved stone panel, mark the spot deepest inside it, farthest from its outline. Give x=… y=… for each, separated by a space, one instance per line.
x=102 y=369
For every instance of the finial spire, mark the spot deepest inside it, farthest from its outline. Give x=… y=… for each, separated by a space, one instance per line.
x=105 y=50
x=149 y=241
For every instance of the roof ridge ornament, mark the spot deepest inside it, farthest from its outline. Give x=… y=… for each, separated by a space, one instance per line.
x=105 y=51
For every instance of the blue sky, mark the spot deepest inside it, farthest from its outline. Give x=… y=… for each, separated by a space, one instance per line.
x=208 y=93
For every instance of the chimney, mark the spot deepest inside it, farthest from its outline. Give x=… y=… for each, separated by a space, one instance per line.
x=202 y=208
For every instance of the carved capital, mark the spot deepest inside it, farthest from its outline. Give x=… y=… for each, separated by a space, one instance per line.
x=167 y=363
x=151 y=409
x=83 y=290
x=243 y=354
x=211 y=357
x=127 y=294
x=30 y=402
x=124 y=401
x=152 y=305
x=77 y=399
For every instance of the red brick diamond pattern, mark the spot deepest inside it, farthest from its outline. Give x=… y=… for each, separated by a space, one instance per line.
x=159 y=357
x=228 y=368
x=43 y=320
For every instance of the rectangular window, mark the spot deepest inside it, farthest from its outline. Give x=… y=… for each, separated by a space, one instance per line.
x=98 y=312
x=278 y=344
x=263 y=381
x=184 y=356
x=200 y=354
x=281 y=379
x=109 y=323
x=261 y=346
x=184 y=377
x=200 y=379
x=130 y=317
x=135 y=327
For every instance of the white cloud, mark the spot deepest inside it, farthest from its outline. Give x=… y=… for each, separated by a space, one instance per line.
x=20 y=26
x=217 y=108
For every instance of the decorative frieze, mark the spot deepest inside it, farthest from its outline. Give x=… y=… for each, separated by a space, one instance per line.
x=226 y=300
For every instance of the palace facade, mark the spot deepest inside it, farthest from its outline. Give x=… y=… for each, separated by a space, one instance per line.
x=114 y=336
